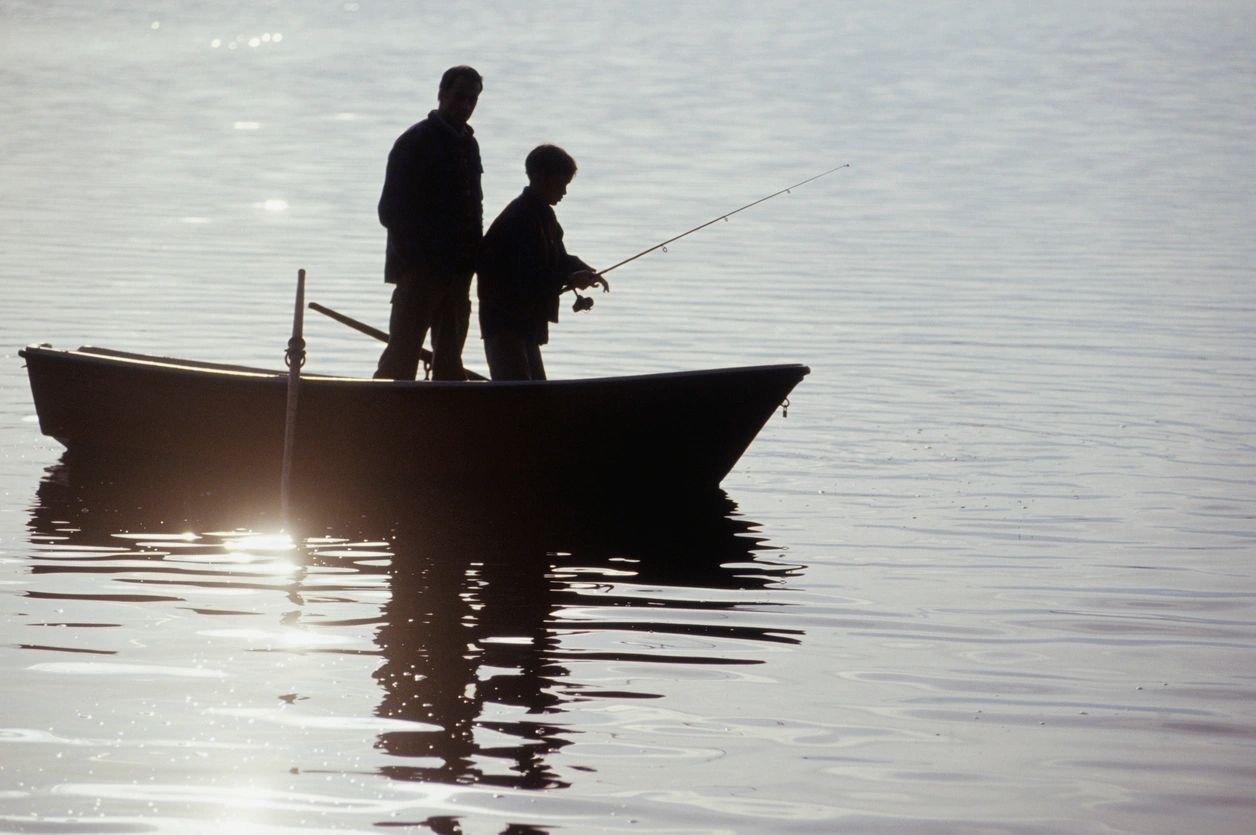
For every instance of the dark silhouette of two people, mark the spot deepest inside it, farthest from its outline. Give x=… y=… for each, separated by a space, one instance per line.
x=433 y=208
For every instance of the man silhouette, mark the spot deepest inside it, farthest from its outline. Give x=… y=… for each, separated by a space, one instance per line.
x=433 y=207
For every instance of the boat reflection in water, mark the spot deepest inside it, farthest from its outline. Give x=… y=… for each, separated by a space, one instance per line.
x=489 y=602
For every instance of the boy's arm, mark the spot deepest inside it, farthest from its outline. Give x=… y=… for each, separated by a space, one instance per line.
x=532 y=280
x=580 y=276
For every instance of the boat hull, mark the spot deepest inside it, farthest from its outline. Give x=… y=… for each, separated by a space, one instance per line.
x=681 y=430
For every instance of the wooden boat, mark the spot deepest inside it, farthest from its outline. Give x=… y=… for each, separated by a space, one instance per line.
x=678 y=431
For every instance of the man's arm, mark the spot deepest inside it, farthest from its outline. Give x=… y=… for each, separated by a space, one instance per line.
x=408 y=204
x=403 y=179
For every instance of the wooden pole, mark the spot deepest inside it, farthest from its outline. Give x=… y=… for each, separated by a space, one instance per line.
x=295 y=358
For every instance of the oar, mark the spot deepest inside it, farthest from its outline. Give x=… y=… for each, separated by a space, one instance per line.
x=362 y=327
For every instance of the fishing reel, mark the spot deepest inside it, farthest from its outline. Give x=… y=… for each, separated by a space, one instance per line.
x=582 y=302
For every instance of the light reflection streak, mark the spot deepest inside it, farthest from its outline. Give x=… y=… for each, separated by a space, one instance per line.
x=279 y=639
x=96 y=668
x=186 y=536
x=291 y=717
x=251 y=41
x=260 y=542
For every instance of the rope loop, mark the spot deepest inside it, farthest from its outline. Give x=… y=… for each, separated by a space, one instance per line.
x=296 y=348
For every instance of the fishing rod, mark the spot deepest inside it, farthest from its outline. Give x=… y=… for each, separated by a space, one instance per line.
x=584 y=302
x=721 y=217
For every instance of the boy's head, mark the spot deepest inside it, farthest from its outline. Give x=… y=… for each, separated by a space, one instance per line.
x=550 y=169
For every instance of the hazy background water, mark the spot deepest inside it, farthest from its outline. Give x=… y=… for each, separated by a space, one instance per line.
x=993 y=573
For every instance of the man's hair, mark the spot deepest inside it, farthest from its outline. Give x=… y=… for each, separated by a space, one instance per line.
x=461 y=71
x=549 y=160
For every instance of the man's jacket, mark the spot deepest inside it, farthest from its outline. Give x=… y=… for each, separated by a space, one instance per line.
x=432 y=203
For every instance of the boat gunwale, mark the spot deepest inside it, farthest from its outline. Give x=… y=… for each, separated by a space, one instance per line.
x=109 y=355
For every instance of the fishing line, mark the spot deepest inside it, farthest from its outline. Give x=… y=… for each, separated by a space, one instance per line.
x=585 y=302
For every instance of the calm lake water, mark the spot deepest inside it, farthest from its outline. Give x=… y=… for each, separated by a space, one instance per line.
x=995 y=572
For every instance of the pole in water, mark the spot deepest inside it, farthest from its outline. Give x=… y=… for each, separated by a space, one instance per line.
x=294 y=357
x=723 y=217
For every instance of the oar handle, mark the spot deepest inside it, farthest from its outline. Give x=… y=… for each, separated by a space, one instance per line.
x=361 y=327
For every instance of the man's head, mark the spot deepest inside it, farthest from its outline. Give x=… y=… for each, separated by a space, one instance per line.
x=460 y=89
x=550 y=169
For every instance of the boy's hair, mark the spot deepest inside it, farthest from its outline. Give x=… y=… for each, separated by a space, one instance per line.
x=461 y=71
x=549 y=160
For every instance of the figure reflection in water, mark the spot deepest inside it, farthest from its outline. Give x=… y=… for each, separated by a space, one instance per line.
x=524 y=267
x=471 y=638
x=472 y=644
x=458 y=609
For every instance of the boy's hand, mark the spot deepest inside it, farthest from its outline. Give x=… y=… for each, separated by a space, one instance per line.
x=584 y=279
